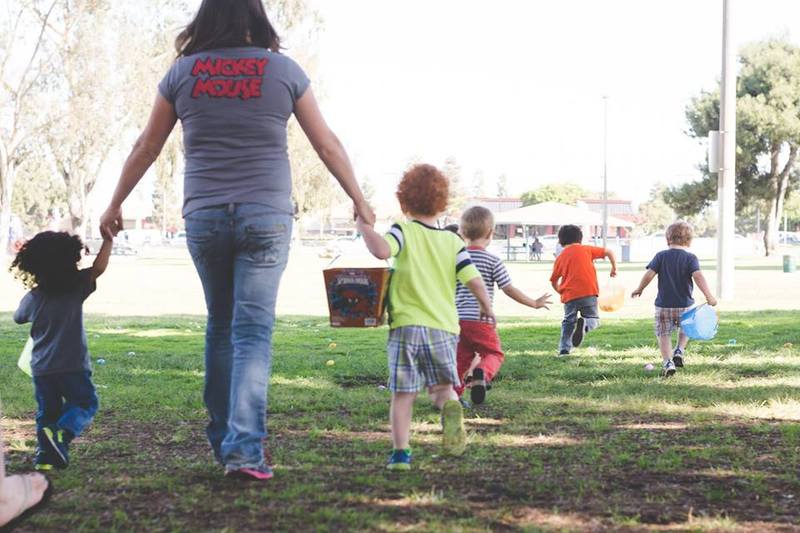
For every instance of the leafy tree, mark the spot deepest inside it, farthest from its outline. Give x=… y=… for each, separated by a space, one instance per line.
x=565 y=193
x=502 y=186
x=767 y=138
x=655 y=214
x=452 y=169
x=478 y=183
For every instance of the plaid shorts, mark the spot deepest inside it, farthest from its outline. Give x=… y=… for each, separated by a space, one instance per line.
x=668 y=319
x=421 y=357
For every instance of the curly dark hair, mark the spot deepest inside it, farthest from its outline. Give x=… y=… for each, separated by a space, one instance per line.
x=424 y=190
x=570 y=234
x=49 y=262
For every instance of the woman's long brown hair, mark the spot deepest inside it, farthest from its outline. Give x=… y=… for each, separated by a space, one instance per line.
x=227 y=24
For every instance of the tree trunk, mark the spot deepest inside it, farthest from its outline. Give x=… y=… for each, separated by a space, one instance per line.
x=780 y=186
x=7 y=177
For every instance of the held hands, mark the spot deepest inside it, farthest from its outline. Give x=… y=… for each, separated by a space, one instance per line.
x=364 y=212
x=111 y=223
x=543 y=301
x=487 y=314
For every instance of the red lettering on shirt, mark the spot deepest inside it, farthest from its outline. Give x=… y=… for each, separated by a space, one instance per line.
x=215 y=77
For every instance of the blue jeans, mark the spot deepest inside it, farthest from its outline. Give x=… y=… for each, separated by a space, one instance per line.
x=67 y=401
x=587 y=307
x=240 y=252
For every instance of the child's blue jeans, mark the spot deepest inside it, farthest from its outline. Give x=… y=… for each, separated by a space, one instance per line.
x=67 y=401
x=587 y=307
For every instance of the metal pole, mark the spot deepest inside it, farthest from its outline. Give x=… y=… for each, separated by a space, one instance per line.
x=605 y=171
x=726 y=188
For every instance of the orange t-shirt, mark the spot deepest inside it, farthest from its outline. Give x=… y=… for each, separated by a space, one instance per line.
x=575 y=267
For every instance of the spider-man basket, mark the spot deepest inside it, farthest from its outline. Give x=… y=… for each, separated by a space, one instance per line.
x=357 y=296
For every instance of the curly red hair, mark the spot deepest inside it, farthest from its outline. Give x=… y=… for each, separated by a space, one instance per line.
x=424 y=190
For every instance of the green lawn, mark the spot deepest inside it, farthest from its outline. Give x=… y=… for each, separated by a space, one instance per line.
x=588 y=442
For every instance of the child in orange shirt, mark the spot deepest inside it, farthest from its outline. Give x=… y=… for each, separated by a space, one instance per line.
x=575 y=279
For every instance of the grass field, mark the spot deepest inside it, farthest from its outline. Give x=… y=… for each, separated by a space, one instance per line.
x=589 y=442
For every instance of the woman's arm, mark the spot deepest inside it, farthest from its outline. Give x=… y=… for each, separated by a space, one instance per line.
x=331 y=151
x=144 y=153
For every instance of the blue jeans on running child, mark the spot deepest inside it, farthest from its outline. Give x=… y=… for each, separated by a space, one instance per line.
x=240 y=252
x=67 y=401
x=587 y=307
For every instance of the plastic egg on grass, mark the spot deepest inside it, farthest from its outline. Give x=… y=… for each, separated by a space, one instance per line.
x=649 y=367
x=332 y=346
x=330 y=362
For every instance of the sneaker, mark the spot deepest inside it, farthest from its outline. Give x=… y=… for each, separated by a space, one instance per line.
x=259 y=473
x=580 y=329
x=478 y=391
x=464 y=403
x=399 y=460
x=454 y=436
x=677 y=357
x=669 y=368
x=42 y=462
x=562 y=353
x=57 y=446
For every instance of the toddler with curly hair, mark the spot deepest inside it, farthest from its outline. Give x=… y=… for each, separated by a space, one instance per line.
x=423 y=322
x=67 y=402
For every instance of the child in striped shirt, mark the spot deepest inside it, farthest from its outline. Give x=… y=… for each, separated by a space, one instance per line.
x=479 y=353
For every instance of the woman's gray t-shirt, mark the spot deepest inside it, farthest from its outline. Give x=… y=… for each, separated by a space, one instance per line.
x=234 y=105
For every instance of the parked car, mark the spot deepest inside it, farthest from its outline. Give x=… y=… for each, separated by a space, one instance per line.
x=348 y=246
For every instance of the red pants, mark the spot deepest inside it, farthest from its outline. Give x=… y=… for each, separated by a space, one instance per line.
x=478 y=338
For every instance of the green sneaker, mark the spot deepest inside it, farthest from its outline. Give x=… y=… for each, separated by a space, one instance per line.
x=42 y=462
x=399 y=460
x=454 y=436
x=56 y=441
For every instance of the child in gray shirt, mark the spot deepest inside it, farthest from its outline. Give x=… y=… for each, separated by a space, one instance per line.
x=67 y=402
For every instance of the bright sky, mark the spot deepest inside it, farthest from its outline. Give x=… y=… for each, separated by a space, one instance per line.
x=516 y=86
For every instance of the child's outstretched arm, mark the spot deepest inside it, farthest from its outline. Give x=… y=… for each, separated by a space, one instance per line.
x=101 y=261
x=519 y=296
x=478 y=290
x=646 y=279
x=376 y=244
x=702 y=284
x=609 y=253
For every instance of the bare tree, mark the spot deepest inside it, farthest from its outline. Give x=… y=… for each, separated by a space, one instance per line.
x=22 y=65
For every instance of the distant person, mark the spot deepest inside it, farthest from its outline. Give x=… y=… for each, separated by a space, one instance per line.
x=536 y=249
x=20 y=495
x=234 y=92
x=480 y=354
x=62 y=374
x=676 y=269
x=558 y=250
x=423 y=325
x=575 y=279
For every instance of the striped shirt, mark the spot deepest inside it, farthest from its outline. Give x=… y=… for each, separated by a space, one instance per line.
x=493 y=272
x=428 y=262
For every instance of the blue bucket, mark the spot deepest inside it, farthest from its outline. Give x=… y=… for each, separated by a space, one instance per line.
x=700 y=323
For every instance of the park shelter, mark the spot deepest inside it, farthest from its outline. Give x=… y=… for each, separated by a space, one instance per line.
x=545 y=219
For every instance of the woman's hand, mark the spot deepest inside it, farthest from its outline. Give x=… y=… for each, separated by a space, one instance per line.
x=111 y=222
x=364 y=212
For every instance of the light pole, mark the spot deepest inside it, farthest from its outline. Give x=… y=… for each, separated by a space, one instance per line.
x=726 y=187
x=605 y=171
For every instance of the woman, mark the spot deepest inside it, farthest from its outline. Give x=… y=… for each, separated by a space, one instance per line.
x=234 y=93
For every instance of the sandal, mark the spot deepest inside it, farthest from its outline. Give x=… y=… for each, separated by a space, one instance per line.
x=24 y=514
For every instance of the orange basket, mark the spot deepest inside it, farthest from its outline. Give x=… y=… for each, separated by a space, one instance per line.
x=357 y=296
